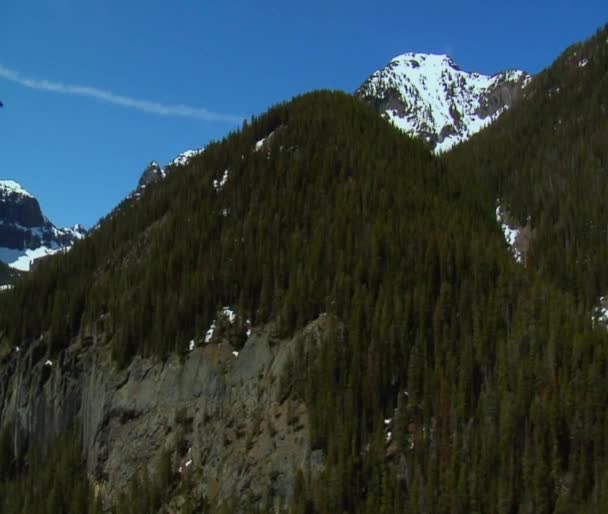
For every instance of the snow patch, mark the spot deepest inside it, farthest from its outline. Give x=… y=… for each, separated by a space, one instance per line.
x=229 y=314
x=22 y=260
x=583 y=62
x=226 y=313
x=260 y=144
x=600 y=313
x=185 y=157
x=210 y=332
x=510 y=234
x=48 y=363
x=219 y=184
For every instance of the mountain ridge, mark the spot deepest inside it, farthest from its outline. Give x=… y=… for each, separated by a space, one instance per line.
x=26 y=234
x=429 y=96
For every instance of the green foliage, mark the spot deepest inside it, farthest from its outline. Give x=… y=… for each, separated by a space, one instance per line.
x=547 y=161
x=49 y=482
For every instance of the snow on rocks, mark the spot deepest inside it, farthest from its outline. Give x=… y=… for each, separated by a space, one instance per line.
x=600 y=313
x=226 y=313
x=12 y=187
x=388 y=427
x=185 y=157
x=219 y=184
x=210 y=332
x=260 y=144
x=510 y=234
x=429 y=96
x=187 y=463
x=229 y=314
x=48 y=363
x=583 y=62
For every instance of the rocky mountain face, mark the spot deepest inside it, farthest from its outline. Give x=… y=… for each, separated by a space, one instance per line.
x=152 y=174
x=25 y=233
x=223 y=410
x=429 y=96
x=155 y=173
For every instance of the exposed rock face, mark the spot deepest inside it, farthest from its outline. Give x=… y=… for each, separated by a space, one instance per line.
x=25 y=233
x=155 y=173
x=18 y=207
x=429 y=96
x=219 y=412
x=152 y=174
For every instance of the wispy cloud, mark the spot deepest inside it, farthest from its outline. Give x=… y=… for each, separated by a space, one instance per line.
x=185 y=111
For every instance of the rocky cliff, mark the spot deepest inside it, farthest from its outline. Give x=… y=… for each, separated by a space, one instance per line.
x=220 y=413
x=25 y=233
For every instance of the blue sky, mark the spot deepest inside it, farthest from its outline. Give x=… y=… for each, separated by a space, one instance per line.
x=224 y=60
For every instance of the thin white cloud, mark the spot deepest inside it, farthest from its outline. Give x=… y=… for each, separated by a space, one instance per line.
x=185 y=111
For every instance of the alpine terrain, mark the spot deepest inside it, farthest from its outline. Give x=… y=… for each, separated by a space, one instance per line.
x=154 y=173
x=429 y=96
x=25 y=233
x=319 y=315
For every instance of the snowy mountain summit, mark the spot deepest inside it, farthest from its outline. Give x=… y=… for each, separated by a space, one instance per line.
x=429 y=96
x=25 y=233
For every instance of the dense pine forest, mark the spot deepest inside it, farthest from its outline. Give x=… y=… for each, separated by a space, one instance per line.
x=454 y=380
x=546 y=160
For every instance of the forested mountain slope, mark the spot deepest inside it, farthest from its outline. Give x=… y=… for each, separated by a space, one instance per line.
x=329 y=278
x=546 y=161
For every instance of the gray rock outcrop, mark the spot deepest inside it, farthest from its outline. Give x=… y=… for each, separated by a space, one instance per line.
x=220 y=413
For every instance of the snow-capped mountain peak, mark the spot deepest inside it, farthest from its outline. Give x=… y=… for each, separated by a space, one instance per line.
x=8 y=187
x=429 y=96
x=25 y=233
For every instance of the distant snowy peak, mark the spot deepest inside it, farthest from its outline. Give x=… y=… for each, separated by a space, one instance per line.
x=8 y=187
x=25 y=233
x=77 y=231
x=429 y=96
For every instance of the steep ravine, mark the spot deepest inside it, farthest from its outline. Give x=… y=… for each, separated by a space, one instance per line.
x=220 y=414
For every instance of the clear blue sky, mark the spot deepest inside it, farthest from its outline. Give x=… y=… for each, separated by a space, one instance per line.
x=81 y=155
